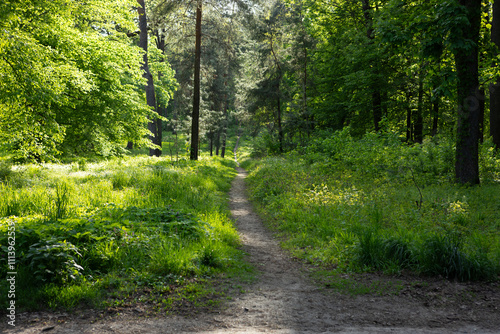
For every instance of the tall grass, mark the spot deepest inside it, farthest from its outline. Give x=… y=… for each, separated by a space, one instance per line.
x=378 y=204
x=131 y=221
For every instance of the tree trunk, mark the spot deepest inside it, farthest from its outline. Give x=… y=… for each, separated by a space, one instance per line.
x=217 y=143
x=467 y=64
x=419 y=122
x=435 y=101
x=223 y=148
x=196 y=94
x=159 y=135
x=376 y=94
x=161 y=108
x=150 y=88
x=495 y=88
x=224 y=130
x=280 y=127
x=309 y=124
x=211 y=145
x=409 y=125
x=435 y=116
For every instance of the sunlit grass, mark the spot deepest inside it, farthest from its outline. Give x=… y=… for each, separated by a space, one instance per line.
x=374 y=204
x=90 y=232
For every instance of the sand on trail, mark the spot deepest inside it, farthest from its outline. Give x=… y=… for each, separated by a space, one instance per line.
x=284 y=300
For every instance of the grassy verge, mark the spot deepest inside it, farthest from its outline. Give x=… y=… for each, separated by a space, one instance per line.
x=376 y=204
x=129 y=230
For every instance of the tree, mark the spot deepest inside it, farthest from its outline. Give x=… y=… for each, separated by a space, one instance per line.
x=375 y=86
x=467 y=66
x=149 y=88
x=495 y=88
x=196 y=94
x=69 y=79
x=211 y=46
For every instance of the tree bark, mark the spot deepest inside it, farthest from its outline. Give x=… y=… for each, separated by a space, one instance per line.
x=196 y=94
x=419 y=121
x=280 y=126
x=224 y=129
x=376 y=94
x=217 y=143
x=150 y=88
x=495 y=88
x=161 y=108
x=211 y=144
x=409 y=123
x=435 y=115
x=467 y=64
x=435 y=102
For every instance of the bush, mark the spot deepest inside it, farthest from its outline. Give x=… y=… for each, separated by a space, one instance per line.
x=54 y=261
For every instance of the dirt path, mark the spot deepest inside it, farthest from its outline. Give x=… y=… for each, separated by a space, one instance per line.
x=283 y=300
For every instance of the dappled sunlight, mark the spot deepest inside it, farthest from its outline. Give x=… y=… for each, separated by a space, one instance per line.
x=322 y=195
x=385 y=214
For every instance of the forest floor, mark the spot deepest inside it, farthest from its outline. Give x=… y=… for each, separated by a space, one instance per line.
x=285 y=299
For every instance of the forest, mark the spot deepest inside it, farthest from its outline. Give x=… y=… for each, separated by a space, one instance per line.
x=370 y=130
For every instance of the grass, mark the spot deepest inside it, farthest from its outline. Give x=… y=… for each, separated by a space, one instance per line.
x=376 y=204
x=111 y=232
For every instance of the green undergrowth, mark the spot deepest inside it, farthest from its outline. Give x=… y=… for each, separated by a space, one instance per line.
x=377 y=204
x=111 y=233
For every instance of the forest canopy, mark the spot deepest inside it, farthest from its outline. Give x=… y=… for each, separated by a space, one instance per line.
x=91 y=78
x=70 y=78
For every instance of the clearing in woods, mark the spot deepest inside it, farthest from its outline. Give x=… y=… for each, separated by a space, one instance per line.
x=283 y=299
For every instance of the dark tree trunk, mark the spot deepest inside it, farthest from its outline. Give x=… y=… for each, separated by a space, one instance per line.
x=150 y=88
x=211 y=136
x=409 y=124
x=162 y=110
x=495 y=88
x=223 y=147
x=419 y=121
x=309 y=123
x=217 y=143
x=280 y=126
x=196 y=94
x=376 y=94
x=224 y=130
x=467 y=63
x=435 y=115
x=435 y=101
x=159 y=136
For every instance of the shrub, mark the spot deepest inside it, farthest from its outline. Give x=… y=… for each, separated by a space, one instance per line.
x=54 y=261
x=444 y=255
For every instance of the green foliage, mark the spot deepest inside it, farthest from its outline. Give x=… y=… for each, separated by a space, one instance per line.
x=5 y=170
x=54 y=261
x=376 y=203
x=444 y=255
x=70 y=79
x=123 y=221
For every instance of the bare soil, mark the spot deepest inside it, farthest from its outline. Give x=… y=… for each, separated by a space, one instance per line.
x=284 y=299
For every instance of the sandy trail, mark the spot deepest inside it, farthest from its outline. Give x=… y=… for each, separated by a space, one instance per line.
x=283 y=300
